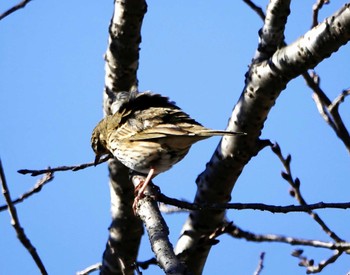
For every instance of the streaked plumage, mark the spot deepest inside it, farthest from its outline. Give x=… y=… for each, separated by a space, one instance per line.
x=149 y=134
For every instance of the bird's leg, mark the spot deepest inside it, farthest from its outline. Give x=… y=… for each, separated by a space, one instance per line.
x=141 y=187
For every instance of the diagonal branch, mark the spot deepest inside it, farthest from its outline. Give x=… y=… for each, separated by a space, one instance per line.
x=255 y=8
x=260 y=264
x=37 y=187
x=158 y=232
x=329 y=110
x=264 y=83
x=296 y=193
x=318 y=268
x=238 y=233
x=17 y=226
x=14 y=8
x=315 y=10
x=338 y=247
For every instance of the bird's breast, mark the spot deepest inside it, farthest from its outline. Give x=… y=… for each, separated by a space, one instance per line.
x=141 y=156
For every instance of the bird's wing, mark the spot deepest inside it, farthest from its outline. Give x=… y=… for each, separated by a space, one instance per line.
x=160 y=131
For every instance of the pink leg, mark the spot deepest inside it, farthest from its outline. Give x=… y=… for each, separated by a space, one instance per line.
x=141 y=187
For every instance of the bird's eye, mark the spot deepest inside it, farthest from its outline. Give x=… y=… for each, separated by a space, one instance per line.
x=96 y=145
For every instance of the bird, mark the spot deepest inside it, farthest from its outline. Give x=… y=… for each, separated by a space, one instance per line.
x=149 y=134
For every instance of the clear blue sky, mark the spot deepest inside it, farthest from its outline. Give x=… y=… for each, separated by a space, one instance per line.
x=195 y=52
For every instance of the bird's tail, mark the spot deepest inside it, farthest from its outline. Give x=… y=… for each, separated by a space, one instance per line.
x=209 y=133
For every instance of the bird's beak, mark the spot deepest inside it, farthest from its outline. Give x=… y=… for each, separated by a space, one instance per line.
x=97 y=159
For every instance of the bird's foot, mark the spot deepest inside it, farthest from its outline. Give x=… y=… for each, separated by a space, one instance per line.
x=140 y=189
x=139 y=194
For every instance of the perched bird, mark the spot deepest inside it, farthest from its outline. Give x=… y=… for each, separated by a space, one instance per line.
x=149 y=134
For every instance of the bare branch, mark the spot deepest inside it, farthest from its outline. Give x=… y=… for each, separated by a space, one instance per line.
x=315 y=10
x=310 y=263
x=37 y=187
x=271 y=35
x=158 y=231
x=327 y=109
x=62 y=168
x=122 y=61
x=296 y=193
x=145 y=264
x=16 y=224
x=338 y=100
x=338 y=247
x=255 y=8
x=14 y=8
x=90 y=269
x=318 y=268
x=331 y=117
x=260 y=264
x=236 y=232
x=250 y=206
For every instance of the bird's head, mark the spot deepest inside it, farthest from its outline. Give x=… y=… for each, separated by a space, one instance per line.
x=99 y=142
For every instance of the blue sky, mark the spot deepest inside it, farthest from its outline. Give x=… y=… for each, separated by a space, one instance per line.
x=195 y=52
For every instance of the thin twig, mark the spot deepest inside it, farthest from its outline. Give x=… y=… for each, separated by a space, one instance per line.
x=318 y=268
x=62 y=168
x=255 y=8
x=338 y=100
x=14 y=8
x=310 y=263
x=260 y=264
x=17 y=226
x=296 y=193
x=238 y=233
x=90 y=269
x=37 y=187
x=251 y=206
x=329 y=110
x=315 y=10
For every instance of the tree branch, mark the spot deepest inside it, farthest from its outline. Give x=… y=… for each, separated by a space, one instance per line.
x=318 y=268
x=338 y=247
x=296 y=193
x=122 y=60
x=74 y=168
x=329 y=110
x=37 y=187
x=264 y=83
x=255 y=8
x=90 y=269
x=158 y=232
x=14 y=8
x=238 y=233
x=260 y=264
x=17 y=226
x=251 y=206
x=315 y=10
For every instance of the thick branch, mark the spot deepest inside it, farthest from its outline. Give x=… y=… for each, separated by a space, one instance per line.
x=121 y=64
x=122 y=55
x=264 y=83
x=158 y=231
x=272 y=33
